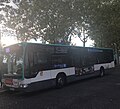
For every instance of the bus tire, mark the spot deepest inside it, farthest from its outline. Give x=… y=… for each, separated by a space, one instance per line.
x=60 y=80
x=102 y=71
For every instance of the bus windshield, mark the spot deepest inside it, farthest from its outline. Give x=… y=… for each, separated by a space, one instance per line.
x=14 y=59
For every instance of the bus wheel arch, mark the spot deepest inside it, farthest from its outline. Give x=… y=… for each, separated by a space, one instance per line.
x=61 y=80
x=102 y=71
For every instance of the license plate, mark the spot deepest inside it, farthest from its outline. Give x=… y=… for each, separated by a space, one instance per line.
x=9 y=81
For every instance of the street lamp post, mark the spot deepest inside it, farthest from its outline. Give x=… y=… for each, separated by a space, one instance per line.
x=116 y=53
x=0 y=38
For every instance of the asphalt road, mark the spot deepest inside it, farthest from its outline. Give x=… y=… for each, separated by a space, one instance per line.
x=94 y=93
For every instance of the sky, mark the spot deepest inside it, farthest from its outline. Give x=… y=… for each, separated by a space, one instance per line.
x=9 y=39
x=78 y=42
x=75 y=41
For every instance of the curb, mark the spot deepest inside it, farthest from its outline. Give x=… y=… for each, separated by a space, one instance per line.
x=2 y=90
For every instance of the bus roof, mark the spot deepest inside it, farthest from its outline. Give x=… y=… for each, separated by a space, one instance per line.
x=27 y=43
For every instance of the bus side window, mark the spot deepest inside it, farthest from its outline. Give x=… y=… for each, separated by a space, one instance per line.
x=84 y=61
x=59 y=61
x=97 y=60
x=35 y=58
x=43 y=61
x=89 y=60
x=77 y=61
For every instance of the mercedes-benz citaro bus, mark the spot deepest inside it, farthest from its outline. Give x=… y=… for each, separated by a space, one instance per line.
x=32 y=66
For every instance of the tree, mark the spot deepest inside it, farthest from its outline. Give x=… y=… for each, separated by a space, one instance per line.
x=41 y=19
x=82 y=31
x=50 y=20
x=55 y=21
x=106 y=24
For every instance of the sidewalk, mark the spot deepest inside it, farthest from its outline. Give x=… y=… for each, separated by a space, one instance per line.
x=2 y=89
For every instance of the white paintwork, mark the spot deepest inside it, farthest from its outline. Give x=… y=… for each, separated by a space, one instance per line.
x=105 y=65
x=49 y=74
x=112 y=64
x=67 y=71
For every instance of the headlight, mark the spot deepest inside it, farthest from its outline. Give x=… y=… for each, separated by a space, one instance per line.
x=23 y=85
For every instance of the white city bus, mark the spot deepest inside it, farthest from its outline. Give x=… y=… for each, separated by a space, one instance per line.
x=33 y=66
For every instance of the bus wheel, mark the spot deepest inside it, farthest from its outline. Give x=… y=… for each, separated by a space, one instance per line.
x=102 y=71
x=60 y=80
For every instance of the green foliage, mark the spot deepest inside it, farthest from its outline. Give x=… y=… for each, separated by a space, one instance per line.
x=54 y=20
x=106 y=24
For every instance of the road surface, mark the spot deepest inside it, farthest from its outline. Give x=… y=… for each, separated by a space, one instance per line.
x=94 y=93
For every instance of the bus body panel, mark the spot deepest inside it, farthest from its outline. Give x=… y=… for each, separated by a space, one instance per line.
x=42 y=63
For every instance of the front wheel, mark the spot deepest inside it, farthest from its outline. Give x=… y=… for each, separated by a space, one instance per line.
x=60 y=81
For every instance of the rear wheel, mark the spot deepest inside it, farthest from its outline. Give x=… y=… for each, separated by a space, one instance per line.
x=102 y=71
x=60 y=80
